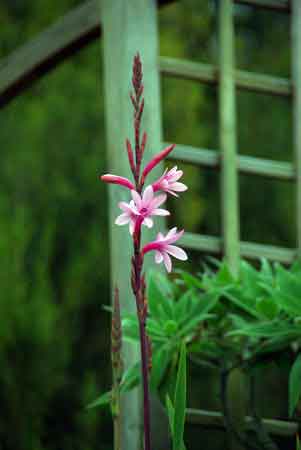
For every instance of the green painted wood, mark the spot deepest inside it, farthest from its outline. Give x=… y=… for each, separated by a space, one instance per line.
x=245 y=164
x=209 y=74
x=128 y=27
x=296 y=73
x=58 y=42
x=81 y=26
x=215 y=419
x=72 y=32
x=228 y=151
x=273 y=5
x=249 y=250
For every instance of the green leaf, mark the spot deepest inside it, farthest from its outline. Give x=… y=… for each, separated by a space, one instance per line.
x=289 y=286
x=298 y=445
x=266 y=272
x=183 y=305
x=131 y=378
x=192 y=325
x=224 y=276
x=159 y=295
x=242 y=302
x=130 y=329
x=161 y=359
x=294 y=385
x=103 y=400
x=155 y=330
x=180 y=402
x=267 y=307
x=190 y=280
x=170 y=413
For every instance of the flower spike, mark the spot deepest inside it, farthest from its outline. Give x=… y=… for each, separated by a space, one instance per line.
x=115 y=179
x=139 y=211
x=156 y=160
x=163 y=249
x=168 y=182
x=142 y=208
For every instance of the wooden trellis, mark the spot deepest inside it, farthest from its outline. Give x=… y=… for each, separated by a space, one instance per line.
x=87 y=23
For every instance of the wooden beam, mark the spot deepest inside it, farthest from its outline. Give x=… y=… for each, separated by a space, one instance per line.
x=215 y=419
x=136 y=22
x=249 y=250
x=250 y=165
x=209 y=74
x=81 y=26
x=57 y=43
x=227 y=136
x=273 y=5
x=296 y=73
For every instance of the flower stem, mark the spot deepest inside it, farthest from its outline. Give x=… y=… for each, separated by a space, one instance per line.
x=146 y=403
x=138 y=286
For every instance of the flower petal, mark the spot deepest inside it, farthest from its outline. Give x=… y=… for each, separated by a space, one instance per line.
x=157 y=201
x=122 y=219
x=172 y=193
x=137 y=199
x=156 y=159
x=158 y=257
x=177 y=252
x=167 y=261
x=115 y=179
x=125 y=206
x=175 y=176
x=171 y=233
x=147 y=196
x=132 y=227
x=160 y=212
x=173 y=238
x=148 y=222
x=178 y=187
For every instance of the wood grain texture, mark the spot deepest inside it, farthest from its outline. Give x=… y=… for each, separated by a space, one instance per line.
x=215 y=419
x=250 y=165
x=58 y=42
x=227 y=136
x=72 y=32
x=209 y=74
x=273 y=5
x=82 y=25
x=128 y=27
x=296 y=73
x=250 y=250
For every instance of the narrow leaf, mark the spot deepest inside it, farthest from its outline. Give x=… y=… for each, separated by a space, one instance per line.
x=294 y=385
x=180 y=402
x=103 y=400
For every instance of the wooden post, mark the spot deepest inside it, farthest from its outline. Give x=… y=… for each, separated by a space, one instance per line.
x=296 y=74
x=229 y=176
x=229 y=187
x=128 y=27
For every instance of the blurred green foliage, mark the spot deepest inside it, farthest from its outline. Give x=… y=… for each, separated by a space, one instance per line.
x=54 y=336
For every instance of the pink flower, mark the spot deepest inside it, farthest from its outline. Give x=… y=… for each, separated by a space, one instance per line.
x=115 y=179
x=168 y=182
x=141 y=208
x=163 y=249
x=156 y=159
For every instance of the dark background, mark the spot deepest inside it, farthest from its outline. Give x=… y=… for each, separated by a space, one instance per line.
x=54 y=255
